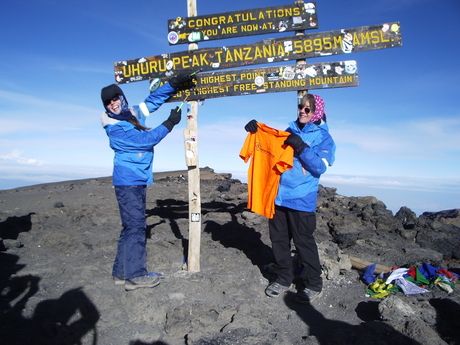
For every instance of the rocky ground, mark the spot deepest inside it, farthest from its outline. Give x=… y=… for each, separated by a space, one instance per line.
x=58 y=241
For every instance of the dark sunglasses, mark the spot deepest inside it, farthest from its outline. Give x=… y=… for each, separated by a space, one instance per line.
x=307 y=109
x=114 y=99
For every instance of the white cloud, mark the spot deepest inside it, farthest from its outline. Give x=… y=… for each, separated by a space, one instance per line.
x=437 y=128
x=24 y=113
x=28 y=102
x=21 y=125
x=79 y=68
x=419 y=194
x=12 y=174
x=394 y=182
x=129 y=24
x=17 y=156
x=419 y=138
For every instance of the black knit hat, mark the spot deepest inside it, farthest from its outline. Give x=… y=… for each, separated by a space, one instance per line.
x=110 y=92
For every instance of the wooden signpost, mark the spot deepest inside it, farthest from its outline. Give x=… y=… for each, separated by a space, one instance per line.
x=213 y=83
x=343 y=41
x=271 y=79
x=300 y=16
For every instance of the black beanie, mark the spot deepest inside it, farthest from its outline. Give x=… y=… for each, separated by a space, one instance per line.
x=110 y=92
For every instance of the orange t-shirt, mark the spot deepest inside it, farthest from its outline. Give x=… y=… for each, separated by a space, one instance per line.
x=270 y=158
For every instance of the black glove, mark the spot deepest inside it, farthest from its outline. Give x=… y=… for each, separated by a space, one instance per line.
x=183 y=81
x=251 y=126
x=296 y=142
x=173 y=119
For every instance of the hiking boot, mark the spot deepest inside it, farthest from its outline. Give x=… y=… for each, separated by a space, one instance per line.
x=146 y=281
x=307 y=295
x=121 y=281
x=118 y=281
x=275 y=289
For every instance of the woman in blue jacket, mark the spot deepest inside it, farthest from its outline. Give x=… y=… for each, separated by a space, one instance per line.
x=295 y=203
x=133 y=145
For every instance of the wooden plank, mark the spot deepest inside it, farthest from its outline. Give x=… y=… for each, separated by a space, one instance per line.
x=342 y=41
x=271 y=79
x=256 y=21
x=361 y=264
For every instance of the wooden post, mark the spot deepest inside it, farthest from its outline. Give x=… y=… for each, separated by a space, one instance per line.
x=300 y=93
x=191 y=159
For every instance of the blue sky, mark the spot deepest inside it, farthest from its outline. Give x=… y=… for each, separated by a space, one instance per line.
x=396 y=133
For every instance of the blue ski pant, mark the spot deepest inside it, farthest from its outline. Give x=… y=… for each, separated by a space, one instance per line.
x=130 y=260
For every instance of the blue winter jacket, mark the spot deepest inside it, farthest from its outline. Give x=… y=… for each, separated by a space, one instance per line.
x=133 y=148
x=298 y=186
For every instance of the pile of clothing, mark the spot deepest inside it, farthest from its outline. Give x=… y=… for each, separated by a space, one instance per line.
x=412 y=280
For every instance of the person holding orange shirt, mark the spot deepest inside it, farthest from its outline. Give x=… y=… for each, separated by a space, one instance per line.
x=295 y=202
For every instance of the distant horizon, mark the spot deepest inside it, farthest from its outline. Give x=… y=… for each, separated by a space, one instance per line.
x=418 y=198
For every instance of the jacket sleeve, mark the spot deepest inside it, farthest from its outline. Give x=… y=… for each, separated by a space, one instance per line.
x=316 y=159
x=156 y=99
